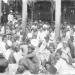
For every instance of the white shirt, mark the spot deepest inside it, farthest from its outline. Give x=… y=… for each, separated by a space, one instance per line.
x=14 y=21
x=2 y=30
x=43 y=45
x=18 y=56
x=74 y=36
x=43 y=55
x=52 y=37
x=65 y=53
x=34 y=42
x=2 y=47
x=59 y=46
x=41 y=35
x=29 y=35
x=10 y=18
x=68 y=35
x=64 y=68
x=7 y=53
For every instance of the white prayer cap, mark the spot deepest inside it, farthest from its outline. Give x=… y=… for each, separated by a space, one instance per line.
x=35 y=42
x=29 y=35
x=45 y=26
x=68 y=26
x=9 y=43
x=33 y=27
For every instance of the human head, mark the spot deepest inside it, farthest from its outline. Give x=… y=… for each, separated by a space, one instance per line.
x=58 y=54
x=51 y=47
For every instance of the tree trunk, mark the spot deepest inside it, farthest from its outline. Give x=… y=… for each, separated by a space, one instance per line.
x=24 y=14
x=57 y=18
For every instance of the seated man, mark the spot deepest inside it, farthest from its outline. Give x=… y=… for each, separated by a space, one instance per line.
x=49 y=65
x=29 y=62
x=62 y=66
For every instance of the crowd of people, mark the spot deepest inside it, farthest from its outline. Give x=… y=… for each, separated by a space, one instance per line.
x=36 y=50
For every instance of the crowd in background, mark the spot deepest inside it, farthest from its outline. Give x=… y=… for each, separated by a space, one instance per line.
x=36 y=50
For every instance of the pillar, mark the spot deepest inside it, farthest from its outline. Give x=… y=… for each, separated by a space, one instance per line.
x=24 y=13
x=0 y=10
x=57 y=18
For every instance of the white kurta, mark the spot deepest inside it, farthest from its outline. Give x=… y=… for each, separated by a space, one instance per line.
x=7 y=53
x=2 y=30
x=2 y=47
x=64 y=68
x=68 y=35
x=65 y=53
x=18 y=56
x=52 y=37
x=10 y=18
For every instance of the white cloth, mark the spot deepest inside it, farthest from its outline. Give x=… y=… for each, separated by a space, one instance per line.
x=12 y=68
x=74 y=36
x=7 y=53
x=2 y=30
x=29 y=35
x=18 y=56
x=65 y=53
x=41 y=35
x=43 y=45
x=2 y=47
x=45 y=26
x=43 y=55
x=14 y=21
x=52 y=37
x=35 y=42
x=10 y=18
x=9 y=43
x=68 y=35
x=64 y=68
x=59 y=46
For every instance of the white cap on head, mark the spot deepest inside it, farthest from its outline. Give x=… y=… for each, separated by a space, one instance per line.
x=29 y=35
x=45 y=26
x=68 y=26
x=33 y=27
x=35 y=42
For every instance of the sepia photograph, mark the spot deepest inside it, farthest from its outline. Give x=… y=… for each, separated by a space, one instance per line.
x=37 y=37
